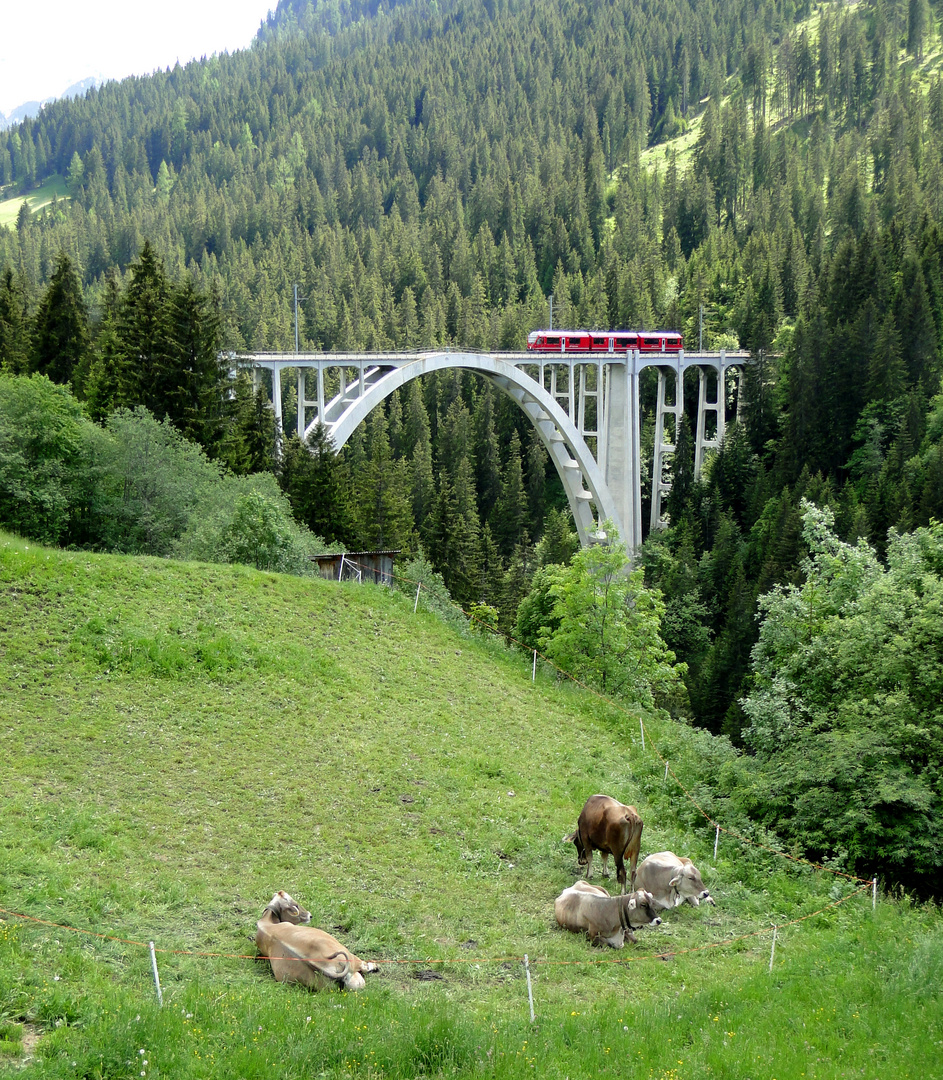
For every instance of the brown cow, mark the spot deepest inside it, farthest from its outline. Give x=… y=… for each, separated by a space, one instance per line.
x=604 y=918
x=302 y=953
x=607 y=826
x=672 y=880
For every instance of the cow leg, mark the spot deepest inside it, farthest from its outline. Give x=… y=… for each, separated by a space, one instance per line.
x=620 y=873
x=614 y=941
x=589 y=863
x=605 y=863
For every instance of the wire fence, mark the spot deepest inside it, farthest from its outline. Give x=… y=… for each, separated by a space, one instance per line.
x=426 y=961
x=864 y=884
x=644 y=734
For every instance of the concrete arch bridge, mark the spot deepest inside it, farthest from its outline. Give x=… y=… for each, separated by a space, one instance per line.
x=585 y=406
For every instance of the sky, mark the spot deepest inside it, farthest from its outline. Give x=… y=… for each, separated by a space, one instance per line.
x=45 y=50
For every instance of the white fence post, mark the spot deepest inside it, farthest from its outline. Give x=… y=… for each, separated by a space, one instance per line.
x=160 y=996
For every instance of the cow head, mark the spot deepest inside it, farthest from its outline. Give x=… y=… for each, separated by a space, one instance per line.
x=641 y=909
x=689 y=885
x=285 y=909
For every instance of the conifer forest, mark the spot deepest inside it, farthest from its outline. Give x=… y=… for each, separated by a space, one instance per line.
x=757 y=174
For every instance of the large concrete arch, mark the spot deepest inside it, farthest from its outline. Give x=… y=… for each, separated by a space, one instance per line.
x=581 y=476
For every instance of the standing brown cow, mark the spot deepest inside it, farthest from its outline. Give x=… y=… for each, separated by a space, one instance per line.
x=607 y=826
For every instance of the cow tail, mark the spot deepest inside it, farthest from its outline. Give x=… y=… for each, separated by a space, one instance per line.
x=344 y=972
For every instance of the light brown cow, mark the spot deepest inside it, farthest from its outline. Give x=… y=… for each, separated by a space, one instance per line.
x=589 y=908
x=302 y=953
x=611 y=828
x=672 y=881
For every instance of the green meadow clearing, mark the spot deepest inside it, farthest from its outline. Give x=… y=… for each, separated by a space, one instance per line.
x=53 y=188
x=180 y=740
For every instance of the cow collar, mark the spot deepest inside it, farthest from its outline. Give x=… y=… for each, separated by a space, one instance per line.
x=624 y=921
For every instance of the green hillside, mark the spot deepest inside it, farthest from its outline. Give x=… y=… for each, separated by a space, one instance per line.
x=182 y=739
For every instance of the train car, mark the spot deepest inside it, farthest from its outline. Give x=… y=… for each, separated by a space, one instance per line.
x=553 y=341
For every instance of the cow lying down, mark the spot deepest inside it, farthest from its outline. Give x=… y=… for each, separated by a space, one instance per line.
x=672 y=881
x=304 y=954
x=604 y=918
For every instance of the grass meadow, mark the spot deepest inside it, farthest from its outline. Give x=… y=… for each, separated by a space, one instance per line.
x=180 y=740
x=37 y=199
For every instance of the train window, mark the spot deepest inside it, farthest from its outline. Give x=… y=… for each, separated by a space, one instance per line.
x=552 y=340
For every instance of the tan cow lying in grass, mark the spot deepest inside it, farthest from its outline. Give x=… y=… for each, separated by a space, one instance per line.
x=304 y=954
x=672 y=880
x=605 y=918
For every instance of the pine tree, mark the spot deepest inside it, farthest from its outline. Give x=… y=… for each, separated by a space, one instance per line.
x=381 y=493
x=249 y=442
x=145 y=332
x=61 y=340
x=309 y=476
x=197 y=379
x=15 y=325
x=509 y=517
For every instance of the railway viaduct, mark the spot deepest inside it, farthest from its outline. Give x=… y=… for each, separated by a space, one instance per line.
x=585 y=407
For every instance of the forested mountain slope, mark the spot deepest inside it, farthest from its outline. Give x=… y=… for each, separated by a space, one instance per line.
x=429 y=173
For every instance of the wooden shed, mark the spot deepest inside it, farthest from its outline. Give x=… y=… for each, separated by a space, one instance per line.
x=375 y=566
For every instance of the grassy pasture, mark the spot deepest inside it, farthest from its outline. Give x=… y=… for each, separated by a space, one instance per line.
x=179 y=740
x=54 y=187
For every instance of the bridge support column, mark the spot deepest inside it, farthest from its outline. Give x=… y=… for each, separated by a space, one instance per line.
x=704 y=440
x=661 y=486
x=619 y=448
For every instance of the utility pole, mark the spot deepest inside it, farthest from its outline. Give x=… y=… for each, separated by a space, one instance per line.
x=551 y=311
x=296 y=315
x=700 y=340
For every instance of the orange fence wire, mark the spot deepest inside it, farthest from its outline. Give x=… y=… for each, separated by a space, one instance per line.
x=659 y=954
x=618 y=705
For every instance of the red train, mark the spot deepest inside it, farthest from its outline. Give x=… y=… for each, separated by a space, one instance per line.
x=660 y=341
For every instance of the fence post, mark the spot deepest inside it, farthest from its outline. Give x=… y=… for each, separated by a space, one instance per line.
x=533 y=674
x=160 y=996
x=530 y=993
x=665 y=781
x=641 y=728
x=416 y=604
x=716 y=842
x=874 y=893
x=772 y=951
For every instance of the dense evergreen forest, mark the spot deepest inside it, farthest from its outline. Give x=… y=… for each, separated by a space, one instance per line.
x=767 y=173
